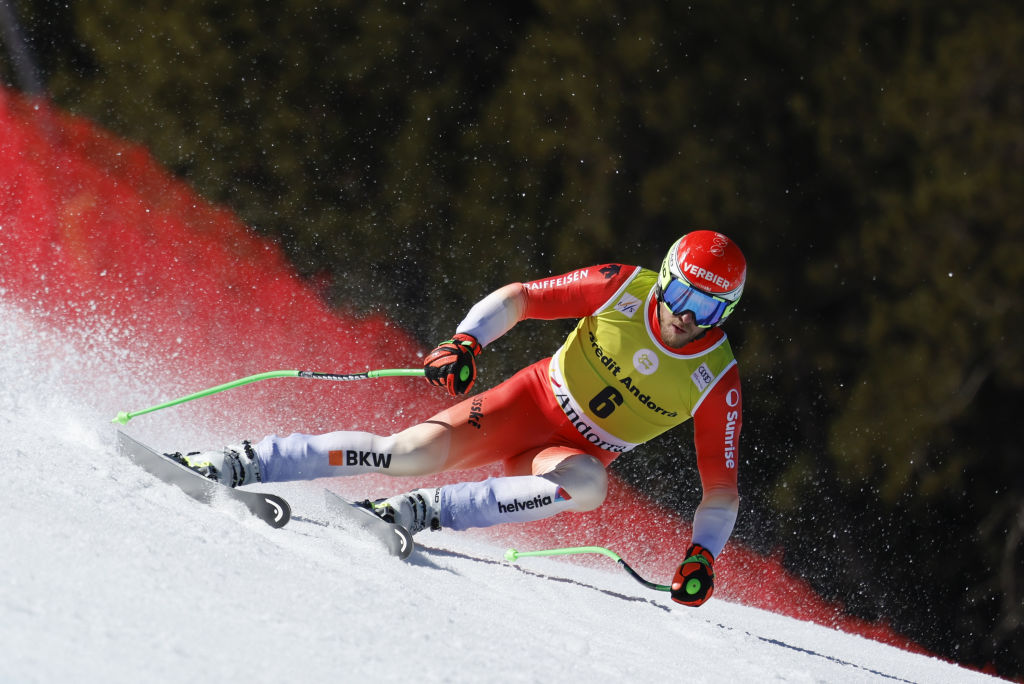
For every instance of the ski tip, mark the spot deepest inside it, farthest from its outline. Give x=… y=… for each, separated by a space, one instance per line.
x=405 y=544
x=281 y=511
x=395 y=538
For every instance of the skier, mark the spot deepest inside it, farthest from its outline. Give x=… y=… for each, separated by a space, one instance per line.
x=646 y=355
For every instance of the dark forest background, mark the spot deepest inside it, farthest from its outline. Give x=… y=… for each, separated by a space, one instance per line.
x=868 y=158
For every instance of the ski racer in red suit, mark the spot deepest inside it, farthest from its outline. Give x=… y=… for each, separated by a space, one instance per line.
x=646 y=355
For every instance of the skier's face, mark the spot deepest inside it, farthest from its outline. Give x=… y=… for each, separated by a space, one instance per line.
x=677 y=330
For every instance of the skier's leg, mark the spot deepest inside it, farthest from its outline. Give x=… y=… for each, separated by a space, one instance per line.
x=418 y=450
x=546 y=475
x=565 y=480
x=478 y=431
x=581 y=475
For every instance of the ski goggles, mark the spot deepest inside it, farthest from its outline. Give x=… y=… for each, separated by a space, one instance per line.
x=707 y=310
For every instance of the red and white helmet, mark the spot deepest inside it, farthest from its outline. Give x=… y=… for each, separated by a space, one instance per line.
x=710 y=264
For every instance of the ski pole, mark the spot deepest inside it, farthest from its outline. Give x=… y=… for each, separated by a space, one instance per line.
x=124 y=416
x=512 y=556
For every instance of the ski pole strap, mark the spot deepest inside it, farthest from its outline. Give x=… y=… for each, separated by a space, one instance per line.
x=124 y=416
x=512 y=555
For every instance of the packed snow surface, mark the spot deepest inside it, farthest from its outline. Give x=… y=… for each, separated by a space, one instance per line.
x=109 y=575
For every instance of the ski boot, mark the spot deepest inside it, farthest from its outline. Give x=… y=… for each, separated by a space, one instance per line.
x=415 y=511
x=235 y=466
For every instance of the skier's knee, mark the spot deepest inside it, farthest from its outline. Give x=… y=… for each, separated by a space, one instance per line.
x=583 y=478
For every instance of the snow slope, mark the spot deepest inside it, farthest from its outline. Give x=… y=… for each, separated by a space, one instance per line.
x=108 y=575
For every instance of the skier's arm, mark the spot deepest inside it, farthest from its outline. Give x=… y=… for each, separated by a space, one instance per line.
x=716 y=427
x=495 y=314
x=452 y=364
x=572 y=295
x=716 y=433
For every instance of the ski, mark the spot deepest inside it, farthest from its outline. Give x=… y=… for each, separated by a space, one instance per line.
x=269 y=508
x=395 y=538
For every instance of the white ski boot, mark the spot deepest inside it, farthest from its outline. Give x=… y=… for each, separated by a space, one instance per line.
x=235 y=466
x=415 y=511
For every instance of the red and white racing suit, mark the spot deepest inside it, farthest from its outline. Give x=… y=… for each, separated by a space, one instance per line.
x=555 y=424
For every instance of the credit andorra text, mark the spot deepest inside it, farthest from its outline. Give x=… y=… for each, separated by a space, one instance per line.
x=585 y=429
x=613 y=366
x=370 y=459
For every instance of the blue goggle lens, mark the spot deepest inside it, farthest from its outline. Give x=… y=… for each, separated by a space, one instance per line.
x=707 y=309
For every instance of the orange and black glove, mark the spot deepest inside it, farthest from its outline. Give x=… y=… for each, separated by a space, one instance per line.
x=695 y=579
x=452 y=364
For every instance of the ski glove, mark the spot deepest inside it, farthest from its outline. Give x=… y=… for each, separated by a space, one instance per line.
x=452 y=364
x=695 y=579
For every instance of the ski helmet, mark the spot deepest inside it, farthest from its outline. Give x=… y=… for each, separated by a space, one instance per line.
x=704 y=272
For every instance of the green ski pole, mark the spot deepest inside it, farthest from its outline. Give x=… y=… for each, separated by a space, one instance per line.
x=124 y=416
x=512 y=556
